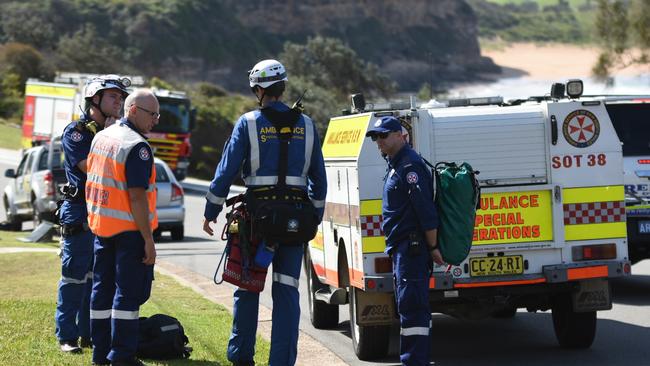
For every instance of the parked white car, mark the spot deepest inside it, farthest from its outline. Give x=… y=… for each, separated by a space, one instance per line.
x=33 y=190
x=170 y=203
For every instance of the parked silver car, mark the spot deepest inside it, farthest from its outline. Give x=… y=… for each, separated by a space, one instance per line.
x=170 y=202
x=33 y=190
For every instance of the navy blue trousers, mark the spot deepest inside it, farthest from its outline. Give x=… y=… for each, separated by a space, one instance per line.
x=121 y=284
x=411 y=274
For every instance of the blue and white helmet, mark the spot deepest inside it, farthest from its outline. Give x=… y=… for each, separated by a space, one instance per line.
x=266 y=73
x=104 y=82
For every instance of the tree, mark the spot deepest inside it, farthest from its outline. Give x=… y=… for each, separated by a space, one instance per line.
x=624 y=33
x=332 y=65
x=22 y=60
x=88 y=51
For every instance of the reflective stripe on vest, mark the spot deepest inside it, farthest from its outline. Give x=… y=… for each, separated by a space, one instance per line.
x=107 y=195
x=253 y=179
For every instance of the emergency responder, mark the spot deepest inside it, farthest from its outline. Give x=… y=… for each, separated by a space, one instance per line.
x=103 y=96
x=254 y=143
x=410 y=224
x=121 y=200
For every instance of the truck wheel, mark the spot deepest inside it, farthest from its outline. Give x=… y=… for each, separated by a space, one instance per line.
x=178 y=233
x=36 y=216
x=369 y=342
x=157 y=234
x=572 y=329
x=13 y=223
x=321 y=314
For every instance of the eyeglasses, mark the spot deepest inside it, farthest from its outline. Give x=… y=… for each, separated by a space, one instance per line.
x=153 y=114
x=380 y=135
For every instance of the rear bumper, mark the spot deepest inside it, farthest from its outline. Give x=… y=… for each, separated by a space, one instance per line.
x=551 y=274
x=171 y=215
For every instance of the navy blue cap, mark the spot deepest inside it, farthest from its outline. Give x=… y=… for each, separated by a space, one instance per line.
x=385 y=124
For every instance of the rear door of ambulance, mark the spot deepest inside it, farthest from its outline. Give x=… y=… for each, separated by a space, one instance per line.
x=514 y=233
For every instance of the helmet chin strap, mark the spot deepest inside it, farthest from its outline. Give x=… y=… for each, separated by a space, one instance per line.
x=98 y=105
x=259 y=98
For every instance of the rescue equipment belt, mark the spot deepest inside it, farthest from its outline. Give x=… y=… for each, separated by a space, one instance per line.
x=282 y=214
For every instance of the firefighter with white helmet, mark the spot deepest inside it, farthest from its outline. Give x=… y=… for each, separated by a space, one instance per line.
x=104 y=96
x=255 y=147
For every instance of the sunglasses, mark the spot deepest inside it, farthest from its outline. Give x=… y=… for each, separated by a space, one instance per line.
x=152 y=113
x=380 y=135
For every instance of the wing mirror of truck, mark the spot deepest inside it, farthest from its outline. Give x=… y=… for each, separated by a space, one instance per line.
x=10 y=173
x=192 y=118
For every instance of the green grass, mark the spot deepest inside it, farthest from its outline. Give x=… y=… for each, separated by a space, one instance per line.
x=10 y=239
x=29 y=291
x=9 y=136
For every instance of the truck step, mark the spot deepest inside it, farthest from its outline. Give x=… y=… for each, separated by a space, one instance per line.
x=333 y=296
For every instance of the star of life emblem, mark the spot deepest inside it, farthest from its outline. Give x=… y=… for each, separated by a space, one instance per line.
x=292 y=225
x=412 y=177
x=76 y=136
x=144 y=153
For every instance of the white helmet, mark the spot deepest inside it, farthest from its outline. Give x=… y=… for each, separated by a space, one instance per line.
x=104 y=82
x=266 y=73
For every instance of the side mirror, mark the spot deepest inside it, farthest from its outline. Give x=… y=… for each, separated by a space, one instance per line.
x=10 y=173
x=192 y=118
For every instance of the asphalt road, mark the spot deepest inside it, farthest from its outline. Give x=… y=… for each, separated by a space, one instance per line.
x=623 y=336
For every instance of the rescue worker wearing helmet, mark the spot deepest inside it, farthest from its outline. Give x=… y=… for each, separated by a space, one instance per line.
x=255 y=148
x=121 y=201
x=410 y=223
x=104 y=96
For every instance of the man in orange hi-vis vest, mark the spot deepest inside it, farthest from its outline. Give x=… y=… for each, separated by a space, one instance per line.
x=121 y=202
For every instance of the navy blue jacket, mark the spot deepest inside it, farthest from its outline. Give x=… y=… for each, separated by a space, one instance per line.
x=407 y=201
x=254 y=147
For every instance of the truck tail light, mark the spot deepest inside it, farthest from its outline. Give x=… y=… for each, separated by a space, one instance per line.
x=383 y=265
x=593 y=252
x=177 y=192
x=643 y=161
x=49 y=183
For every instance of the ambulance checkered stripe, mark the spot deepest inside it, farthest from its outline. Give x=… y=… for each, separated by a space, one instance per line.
x=371 y=225
x=594 y=212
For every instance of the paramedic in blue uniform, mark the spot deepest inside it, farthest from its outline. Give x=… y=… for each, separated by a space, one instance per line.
x=121 y=200
x=410 y=223
x=254 y=147
x=103 y=96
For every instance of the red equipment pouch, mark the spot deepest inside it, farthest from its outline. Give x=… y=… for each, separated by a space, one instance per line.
x=242 y=272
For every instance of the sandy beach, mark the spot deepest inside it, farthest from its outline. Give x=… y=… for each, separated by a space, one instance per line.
x=551 y=61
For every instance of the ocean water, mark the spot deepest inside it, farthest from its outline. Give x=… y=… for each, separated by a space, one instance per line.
x=523 y=87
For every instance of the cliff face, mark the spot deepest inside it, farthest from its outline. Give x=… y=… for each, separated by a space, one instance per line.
x=414 y=41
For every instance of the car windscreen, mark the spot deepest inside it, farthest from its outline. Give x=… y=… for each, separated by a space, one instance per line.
x=161 y=174
x=57 y=161
x=632 y=124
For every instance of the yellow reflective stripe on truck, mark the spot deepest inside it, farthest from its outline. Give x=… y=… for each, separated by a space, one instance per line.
x=50 y=91
x=370 y=219
x=594 y=213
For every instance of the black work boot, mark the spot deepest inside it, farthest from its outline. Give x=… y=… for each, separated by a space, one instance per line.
x=85 y=343
x=70 y=346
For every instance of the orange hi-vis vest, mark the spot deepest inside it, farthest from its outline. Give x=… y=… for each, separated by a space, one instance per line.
x=107 y=195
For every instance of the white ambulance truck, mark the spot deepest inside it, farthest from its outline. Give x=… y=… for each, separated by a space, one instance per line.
x=549 y=234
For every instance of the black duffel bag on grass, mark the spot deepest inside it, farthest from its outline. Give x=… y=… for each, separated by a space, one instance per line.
x=162 y=337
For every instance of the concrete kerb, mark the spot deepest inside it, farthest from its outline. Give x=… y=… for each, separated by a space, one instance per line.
x=310 y=351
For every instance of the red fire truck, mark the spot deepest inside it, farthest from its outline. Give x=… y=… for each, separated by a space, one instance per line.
x=50 y=106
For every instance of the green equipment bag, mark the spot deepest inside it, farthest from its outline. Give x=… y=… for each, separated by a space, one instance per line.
x=457 y=197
